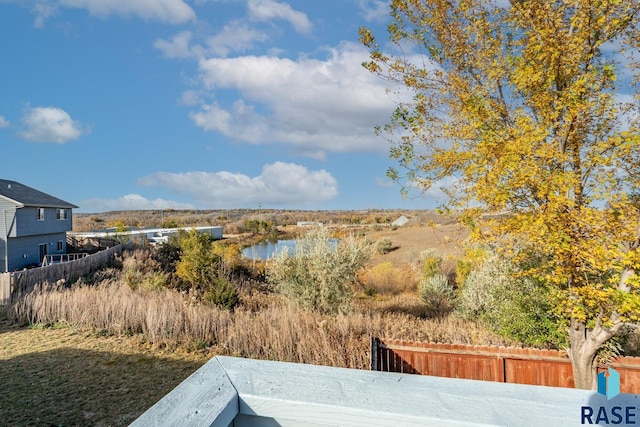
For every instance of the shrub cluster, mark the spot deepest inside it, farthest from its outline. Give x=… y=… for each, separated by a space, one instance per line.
x=319 y=271
x=435 y=288
x=437 y=294
x=510 y=304
x=384 y=246
x=204 y=265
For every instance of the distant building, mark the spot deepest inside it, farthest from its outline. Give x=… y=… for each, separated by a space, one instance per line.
x=33 y=224
x=141 y=235
x=309 y=224
x=402 y=220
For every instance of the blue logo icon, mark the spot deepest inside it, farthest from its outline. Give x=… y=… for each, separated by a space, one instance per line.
x=609 y=385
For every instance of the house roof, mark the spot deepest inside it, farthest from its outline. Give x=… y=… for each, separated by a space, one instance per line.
x=27 y=196
x=402 y=220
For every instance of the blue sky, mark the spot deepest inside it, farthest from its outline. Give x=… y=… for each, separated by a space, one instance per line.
x=195 y=104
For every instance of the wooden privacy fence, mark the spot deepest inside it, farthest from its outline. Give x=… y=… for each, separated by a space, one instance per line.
x=17 y=282
x=490 y=363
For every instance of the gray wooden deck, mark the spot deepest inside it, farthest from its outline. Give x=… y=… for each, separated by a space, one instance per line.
x=238 y=392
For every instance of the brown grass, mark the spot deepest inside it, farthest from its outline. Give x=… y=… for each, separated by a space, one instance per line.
x=105 y=350
x=385 y=278
x=113 y=344
x=65 y=376
x=279 y=331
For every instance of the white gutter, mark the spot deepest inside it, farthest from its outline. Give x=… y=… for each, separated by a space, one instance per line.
x=6 y=242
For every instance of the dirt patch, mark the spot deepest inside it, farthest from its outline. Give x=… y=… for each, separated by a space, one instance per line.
x=410 y=241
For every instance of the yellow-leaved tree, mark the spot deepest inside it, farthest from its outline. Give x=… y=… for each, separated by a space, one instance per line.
x=529 y=109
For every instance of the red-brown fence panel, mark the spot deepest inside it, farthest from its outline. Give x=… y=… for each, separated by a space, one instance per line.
x=490 y=363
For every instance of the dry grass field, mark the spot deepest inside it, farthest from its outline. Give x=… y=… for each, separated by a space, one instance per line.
x=61 y=376
x=100 y=356
x=68 y=374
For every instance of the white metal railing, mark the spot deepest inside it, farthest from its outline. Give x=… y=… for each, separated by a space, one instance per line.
x=60 y=258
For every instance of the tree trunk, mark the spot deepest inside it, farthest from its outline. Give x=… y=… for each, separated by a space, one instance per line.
x=585 y=344
x=623 y=284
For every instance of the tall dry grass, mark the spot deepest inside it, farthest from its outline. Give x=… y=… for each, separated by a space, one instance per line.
x=384 y=278
x=279 y=331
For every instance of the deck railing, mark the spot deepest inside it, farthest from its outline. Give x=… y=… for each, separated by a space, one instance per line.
x=59 y=258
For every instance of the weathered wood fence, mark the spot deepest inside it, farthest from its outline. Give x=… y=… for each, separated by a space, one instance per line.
x=17 y=282
x=490 y=363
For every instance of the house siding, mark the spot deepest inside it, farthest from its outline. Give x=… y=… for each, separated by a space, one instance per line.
x=26 y=233
x=28 y=224
x=7 y=220
x=26 y=250
x=21 y=230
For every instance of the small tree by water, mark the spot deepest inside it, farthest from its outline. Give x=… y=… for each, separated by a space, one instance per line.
x=317 y=273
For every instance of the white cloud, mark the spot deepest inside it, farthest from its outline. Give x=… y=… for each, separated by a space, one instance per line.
x=130 y=202
x=190 y=98
x=314 y=105
x=178 y=47
x=266 y=10
x=384 y=182
x=374 y=10
x=43 y=11
x=438 y=190
x=279 y=184
x=169 y=11
x=630 y=111
x=4 y=122
x=241 y=122
x=51 y=124
x=235 y=36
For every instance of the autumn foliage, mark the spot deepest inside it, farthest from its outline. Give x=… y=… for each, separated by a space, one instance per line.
x=528 y=109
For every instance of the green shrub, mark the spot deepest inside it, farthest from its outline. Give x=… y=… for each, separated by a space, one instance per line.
x=477 y=294
x=370 y=292
x=319 y=271
x=463 y=269
x=384 y=246
x=431 y=263
x=258 y=226
x=169 y=224
x=153 y=282
x=437 y=294
x=199 y=263
x=514 y=307
x=223 y=294
x=523 y=311
x=473 y=256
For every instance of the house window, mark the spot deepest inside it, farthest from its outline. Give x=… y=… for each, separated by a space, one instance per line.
x=60 y=245
x=61 y=213
x=40 y=214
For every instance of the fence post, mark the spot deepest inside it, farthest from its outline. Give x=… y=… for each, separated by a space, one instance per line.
x=374 y=353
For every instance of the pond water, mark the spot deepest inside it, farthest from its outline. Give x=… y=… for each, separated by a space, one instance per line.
x=266 y=249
